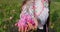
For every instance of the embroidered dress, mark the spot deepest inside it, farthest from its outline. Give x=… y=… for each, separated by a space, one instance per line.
x=24 y=18
x=40 y=11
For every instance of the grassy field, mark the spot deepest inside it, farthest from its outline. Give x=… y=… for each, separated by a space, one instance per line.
x=55 y=15
x=10 y=10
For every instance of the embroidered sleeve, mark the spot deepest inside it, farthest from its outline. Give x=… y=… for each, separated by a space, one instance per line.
x=23 y=10
x=46 y=3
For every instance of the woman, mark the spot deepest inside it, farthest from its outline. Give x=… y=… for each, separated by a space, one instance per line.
x=26 y=11
x=39 y=10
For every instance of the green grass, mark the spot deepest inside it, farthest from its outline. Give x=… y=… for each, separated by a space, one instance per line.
x=55 y=15
x=12 y=8
x=9 y=8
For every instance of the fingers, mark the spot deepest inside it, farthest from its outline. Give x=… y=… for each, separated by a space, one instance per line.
x=36 y=22
x=22 y=30
x=30 y=26
x=19 y=29
x=25 y=29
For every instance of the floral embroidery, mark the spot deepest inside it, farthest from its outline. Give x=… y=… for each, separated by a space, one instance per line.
x=25 y=17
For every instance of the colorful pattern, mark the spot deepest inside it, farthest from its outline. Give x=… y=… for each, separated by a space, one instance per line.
x=25 y=17
x=43 y=4
x=37 y=8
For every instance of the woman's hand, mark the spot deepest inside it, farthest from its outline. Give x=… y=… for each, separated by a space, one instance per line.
x=36 y=23
x=28 y=27
x=33 y=27
x=22 y=28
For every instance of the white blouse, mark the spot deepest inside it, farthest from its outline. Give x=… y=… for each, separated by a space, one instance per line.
x=41 y=11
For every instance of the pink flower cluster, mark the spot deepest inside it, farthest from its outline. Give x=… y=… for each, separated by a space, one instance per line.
x=24 y=19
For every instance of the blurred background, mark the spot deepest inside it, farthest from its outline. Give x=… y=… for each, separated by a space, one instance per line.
x=11 y=9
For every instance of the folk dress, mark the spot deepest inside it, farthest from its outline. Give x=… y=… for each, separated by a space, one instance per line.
x=38 y=9
x=41 y=12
